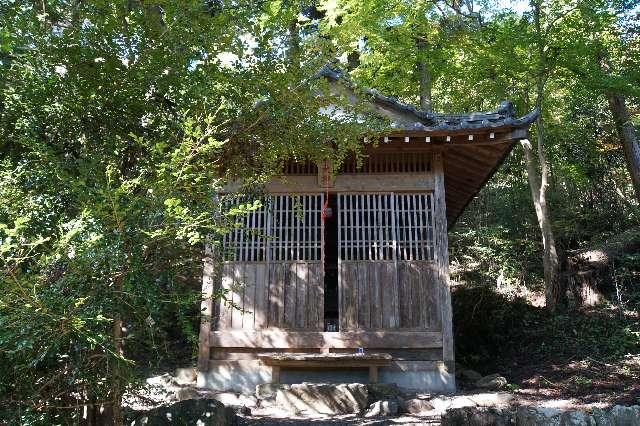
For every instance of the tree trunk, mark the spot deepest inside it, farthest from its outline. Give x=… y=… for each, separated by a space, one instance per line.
x=117 y=379
x=425 y=77
x=554 y=288
x=628 y=137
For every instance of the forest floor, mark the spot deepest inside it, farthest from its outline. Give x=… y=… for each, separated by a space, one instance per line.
x=586 y=381
x=572 y=384
x=588 y=355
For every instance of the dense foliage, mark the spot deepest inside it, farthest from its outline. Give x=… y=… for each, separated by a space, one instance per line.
x=120 y=120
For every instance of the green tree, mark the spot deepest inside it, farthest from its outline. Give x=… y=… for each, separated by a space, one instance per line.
x=119 y=123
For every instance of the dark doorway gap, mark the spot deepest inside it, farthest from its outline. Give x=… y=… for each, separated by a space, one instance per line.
x=331 y=311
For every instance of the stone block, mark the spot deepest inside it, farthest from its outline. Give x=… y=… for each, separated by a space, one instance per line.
x=187 y=375
x=329 y=399
x=384 y=408
x=204 y=412
x=382 y=391
x=235 y=400
x=473 y=416
x=268 y=390
x=492 y=381
x=416 y=406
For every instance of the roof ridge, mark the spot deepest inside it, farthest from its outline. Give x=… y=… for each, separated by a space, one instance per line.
x=503 y=115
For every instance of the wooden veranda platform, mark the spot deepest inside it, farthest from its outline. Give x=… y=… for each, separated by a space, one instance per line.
x=331 y=360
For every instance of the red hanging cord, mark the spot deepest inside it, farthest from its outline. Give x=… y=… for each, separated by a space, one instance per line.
x=323 y=214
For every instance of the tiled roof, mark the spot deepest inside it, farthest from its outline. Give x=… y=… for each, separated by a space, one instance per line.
x=408 y=117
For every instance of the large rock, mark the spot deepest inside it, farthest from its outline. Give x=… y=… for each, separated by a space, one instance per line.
x=534 y=416
x=202 y=412
x=602 y=418
x=416 y=406
x=473 y=416
x=268 y=390
x=164 y=380
x=618 y=415
x=444 y=403
x=382 y=391
x=235 y=400
x=493 y=399
x=382 y=409
x=546 y=416
x=186 y=376
x=577 y=418
x=188 y=392
x=492 y=381
x=624 y=416
x=229 y=399
x=615 y=416
x=468 y=375
x=320 y=398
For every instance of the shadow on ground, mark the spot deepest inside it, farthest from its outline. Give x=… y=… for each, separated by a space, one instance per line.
x=590 y=354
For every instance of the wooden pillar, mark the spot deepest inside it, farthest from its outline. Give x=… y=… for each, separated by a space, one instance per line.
x=275 y=374
x=206 y=307
x=326 y=179
x=373 y=374
x=442 y=262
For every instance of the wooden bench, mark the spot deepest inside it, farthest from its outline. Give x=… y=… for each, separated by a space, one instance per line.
x=330 y=360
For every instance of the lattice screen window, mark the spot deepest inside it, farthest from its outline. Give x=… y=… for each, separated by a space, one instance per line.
x=296 y=229
x=283 y=228
x=300 y=168
x=389 y=162
x=414 y=226
x=366 y=226
x=385 y=226
x=247 y=242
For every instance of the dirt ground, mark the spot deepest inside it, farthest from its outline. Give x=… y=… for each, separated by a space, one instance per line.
x=587 y=381
x=590 y=355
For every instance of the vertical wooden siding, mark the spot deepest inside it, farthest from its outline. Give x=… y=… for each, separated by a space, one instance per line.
x=244 y=305
x=287 y=295
x=379 y=295
x=296 y=295
x=418 y=295
x=368 y=295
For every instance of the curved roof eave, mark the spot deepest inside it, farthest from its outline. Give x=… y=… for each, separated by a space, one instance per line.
x=408 y=118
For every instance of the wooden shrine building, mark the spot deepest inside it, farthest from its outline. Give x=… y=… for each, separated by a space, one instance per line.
x=371 y=277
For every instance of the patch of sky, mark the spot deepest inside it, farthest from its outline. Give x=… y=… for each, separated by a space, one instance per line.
x=393 y=21
x=61 y=70
x=57 y=30
x=228 y=58
x=517 y=6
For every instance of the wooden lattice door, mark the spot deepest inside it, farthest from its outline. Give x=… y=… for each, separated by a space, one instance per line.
x=416 y=270
x=272 y=274
x=296 y=279
x=385 y=263
x=367 y=279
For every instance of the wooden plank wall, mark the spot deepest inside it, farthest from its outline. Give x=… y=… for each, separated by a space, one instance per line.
x=374 y=295
x=296 y=296
x=418 y=295
x=288 y=295
x=368 y=295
